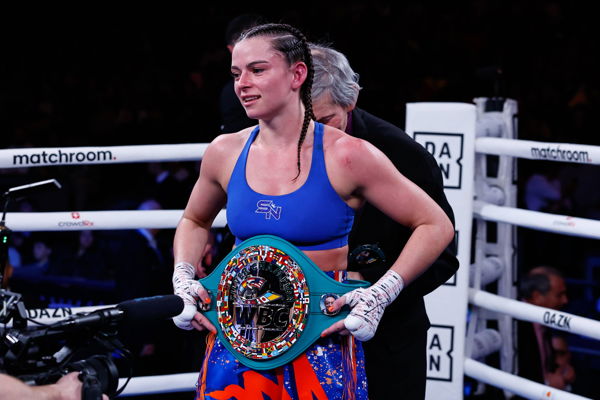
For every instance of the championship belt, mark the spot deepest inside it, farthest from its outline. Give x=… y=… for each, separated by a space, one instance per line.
x=270 y=302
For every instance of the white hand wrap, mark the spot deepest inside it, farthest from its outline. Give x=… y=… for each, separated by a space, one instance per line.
x=368 y=305
x=186 y=287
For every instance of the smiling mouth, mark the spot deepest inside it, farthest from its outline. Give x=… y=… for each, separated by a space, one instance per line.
x=249 y=99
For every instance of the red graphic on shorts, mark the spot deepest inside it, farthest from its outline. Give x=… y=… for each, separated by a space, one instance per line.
x=255 y=385
x=75 y=215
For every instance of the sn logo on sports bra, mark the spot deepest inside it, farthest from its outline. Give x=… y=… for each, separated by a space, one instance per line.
x=268 y=208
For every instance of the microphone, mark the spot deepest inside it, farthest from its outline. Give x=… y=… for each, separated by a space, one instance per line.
x=134 y=311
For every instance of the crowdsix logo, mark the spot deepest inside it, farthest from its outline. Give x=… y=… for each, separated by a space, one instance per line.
x=557 y=154
x=63 y=157
x=268 y=208
x=76 y=222
x=566 y=221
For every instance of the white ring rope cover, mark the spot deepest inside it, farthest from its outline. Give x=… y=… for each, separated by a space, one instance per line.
x=562 y=152
x=50 y=156
x=39 y=157
x=47 y=316
x=516 y=384
x=159 y=384
x=99 y=220
x=528 y=312
x=564 y=224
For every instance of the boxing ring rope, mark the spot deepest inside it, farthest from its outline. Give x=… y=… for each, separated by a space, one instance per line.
x=52 y=156
x=561 y=152
x=100 y=220
x=564 y=224
x=516 y=384
x=529 y=312
x=158 y=384
x=167 y=219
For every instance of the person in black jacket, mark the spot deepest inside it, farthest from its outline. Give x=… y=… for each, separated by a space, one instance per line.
x=233 y=115
x=396 y=356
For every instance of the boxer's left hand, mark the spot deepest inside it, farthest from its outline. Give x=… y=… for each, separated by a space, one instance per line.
x=367 y=307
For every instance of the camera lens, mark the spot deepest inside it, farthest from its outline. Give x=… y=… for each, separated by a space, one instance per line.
x=102 y=368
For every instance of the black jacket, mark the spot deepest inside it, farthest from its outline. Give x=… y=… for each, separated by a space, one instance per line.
x=233 y=115
x=373 y=227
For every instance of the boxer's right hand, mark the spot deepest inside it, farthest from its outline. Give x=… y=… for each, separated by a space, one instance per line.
x=192 y=292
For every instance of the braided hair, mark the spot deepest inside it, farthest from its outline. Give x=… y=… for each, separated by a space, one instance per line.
x=292 y=43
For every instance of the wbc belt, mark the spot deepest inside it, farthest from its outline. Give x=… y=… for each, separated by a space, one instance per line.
x=270 y=302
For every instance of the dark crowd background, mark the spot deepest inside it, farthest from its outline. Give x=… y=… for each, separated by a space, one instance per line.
x=154 y=77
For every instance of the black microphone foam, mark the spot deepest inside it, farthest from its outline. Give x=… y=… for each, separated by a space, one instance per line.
x=154 y=308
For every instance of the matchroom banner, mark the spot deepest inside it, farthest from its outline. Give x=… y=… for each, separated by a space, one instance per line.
x=447 y=130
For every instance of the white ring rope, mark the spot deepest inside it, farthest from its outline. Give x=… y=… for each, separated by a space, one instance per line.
x=38 y=157
x=47 y=316
x=159 y=384
x=99 y=220
x=528 y=312
x=515 y=384
x=564 y=224
x=562 y=152
x=50 y=156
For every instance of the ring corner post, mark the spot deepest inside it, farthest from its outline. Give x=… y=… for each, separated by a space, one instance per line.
x=447 y=131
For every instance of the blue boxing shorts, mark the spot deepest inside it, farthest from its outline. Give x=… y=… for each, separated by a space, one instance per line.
x=332 y=368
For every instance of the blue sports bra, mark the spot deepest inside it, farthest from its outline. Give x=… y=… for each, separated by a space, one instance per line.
x=313 y=217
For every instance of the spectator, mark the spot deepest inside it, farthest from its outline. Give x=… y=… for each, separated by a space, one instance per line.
x=86 y=259
x=142 y=261
x=545 y=192
x=543 y=286
x=562 y=356
x=168 y=183
x=15 y=249
x=41 y=259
